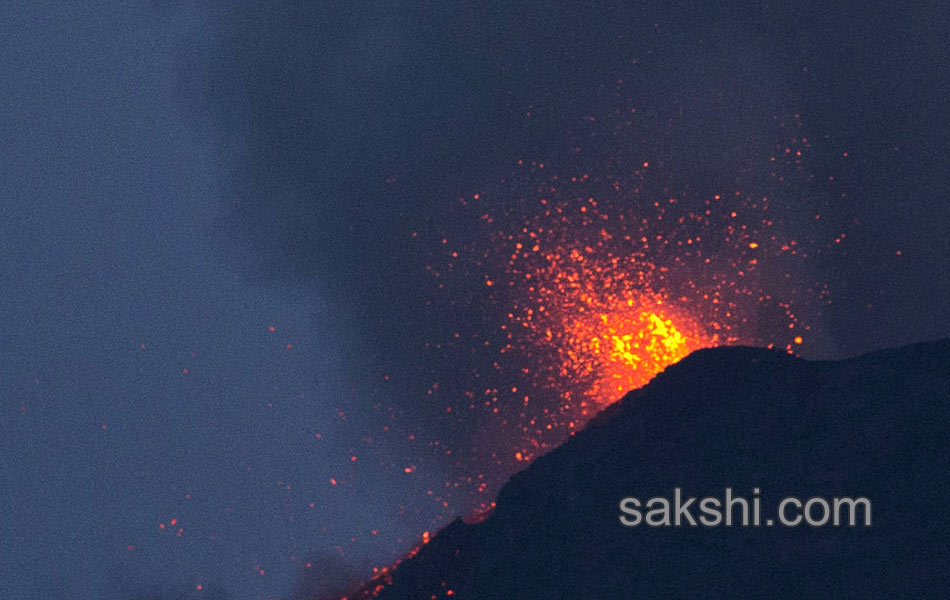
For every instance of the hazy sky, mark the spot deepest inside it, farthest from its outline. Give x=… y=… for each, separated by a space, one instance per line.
x=176 y=181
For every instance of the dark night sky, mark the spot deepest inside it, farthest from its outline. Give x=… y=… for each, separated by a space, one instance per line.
x=176 y=180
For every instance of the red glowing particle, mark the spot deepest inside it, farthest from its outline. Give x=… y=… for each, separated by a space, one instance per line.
x=271 y=328
x=332 y=481
x=130 y=547
x=199 y=587
x=798 y=339
x=185 y=371
x=624 y=295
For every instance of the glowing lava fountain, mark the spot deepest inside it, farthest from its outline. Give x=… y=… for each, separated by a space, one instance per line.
x=608 y=331
x=623 y=349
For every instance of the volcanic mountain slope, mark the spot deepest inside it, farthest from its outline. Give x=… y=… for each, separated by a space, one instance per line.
x=874 y=426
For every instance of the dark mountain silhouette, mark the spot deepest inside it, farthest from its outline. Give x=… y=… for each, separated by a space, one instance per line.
x=873 y=426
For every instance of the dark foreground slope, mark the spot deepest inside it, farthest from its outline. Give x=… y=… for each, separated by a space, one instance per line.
x=874 y=426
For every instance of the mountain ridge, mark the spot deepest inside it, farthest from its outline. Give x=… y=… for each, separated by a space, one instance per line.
x=746 y=418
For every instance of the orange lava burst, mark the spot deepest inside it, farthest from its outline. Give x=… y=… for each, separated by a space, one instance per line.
x=609 y=332
x=595 y=271
x=621 y=348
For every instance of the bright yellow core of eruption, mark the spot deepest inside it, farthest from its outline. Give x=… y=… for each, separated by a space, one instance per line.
x=622 y=350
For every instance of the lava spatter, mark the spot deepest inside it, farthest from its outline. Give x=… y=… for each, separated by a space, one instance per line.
x=595 y=277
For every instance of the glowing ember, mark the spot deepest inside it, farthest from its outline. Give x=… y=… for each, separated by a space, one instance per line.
x=623 y=349
x=609 y=331
x=584 y=304
x=598 y=273
x=562 y=285
x=593 y=272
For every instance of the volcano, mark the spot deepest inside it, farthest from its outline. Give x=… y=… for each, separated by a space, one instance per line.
x=748 y=419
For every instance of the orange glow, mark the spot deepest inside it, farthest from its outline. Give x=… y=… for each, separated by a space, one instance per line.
x=591 y=316
x=598 y=284
x=595 y=272
x=623 y=349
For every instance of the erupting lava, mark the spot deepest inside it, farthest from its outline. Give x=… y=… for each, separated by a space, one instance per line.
x=594 y=283
x=564 y=285
x=595 y=271
x=622 y=349
x=609 y=331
